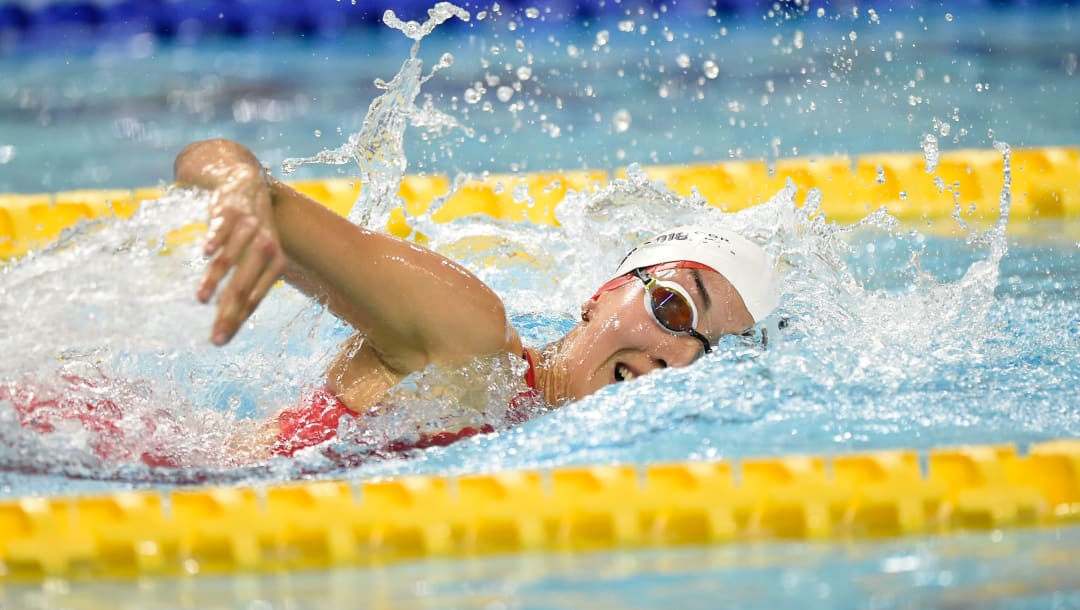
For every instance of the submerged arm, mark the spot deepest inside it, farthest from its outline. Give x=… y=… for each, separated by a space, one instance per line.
x=415 y=306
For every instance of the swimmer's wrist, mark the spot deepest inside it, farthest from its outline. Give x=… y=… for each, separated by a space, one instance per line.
x=217 y=165
x=243 y=176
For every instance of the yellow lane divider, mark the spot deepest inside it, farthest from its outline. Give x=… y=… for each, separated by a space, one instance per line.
x=337 y=523
x=1045 y=184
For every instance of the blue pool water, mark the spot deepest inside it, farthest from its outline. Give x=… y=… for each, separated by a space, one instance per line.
x=676 y=88
x=1010 y=569
x=900 y=337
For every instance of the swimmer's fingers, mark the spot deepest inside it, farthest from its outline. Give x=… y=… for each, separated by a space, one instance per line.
x=222 y=221
x=270 y=275
x=260 y=265
x=231 y=229
x=226 y=257
x=230 y=205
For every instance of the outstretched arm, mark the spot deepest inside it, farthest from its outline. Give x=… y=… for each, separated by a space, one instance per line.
x=415 y=306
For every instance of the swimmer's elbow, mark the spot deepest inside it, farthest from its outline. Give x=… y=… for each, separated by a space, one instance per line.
x=498 y=332
x=484 y=332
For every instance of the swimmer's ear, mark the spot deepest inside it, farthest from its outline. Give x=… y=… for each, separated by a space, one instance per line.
x=587 y=309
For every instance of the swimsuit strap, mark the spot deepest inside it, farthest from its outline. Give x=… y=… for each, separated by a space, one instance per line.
x=530 y=375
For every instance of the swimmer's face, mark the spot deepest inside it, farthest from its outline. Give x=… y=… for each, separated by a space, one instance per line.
x=621 y=340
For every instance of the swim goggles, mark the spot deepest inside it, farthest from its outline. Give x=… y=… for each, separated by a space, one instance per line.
x=667 y=302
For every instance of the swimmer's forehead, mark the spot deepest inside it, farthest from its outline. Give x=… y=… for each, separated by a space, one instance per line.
x=743 y=263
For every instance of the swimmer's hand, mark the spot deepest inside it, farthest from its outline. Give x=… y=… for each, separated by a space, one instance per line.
x=242 y=239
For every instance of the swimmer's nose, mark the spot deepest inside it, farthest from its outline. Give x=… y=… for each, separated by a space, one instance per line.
x=676 y=351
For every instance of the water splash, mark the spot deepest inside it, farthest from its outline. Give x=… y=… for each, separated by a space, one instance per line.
x=103 y=343
x=379 y=147
x=931 y=152
x=885 y=345
x=437 y=15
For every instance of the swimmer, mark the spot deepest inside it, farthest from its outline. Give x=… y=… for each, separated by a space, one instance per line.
x=669 y=301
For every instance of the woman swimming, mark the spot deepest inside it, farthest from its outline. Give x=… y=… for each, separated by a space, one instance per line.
x=670 y=300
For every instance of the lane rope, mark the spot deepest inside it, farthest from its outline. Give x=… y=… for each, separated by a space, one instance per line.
x=325 y=524
x=1045 y=185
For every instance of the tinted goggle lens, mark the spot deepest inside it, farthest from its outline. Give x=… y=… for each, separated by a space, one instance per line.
x=672 y=309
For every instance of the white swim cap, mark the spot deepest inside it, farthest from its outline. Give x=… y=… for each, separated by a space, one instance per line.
x=742 y=262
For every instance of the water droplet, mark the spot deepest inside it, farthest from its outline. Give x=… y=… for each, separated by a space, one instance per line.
x=683 y=60
x=318 y=133
x=602 y=38
x=711 y=69
x=524 y=73
x=504 y=93
x=930 y=151
x=948 y=17
x=1070 y=63
x=532 y=12
x=472 y=96
x=626 y=26
x=621 y=121
x=820 y=12
x=852 y=35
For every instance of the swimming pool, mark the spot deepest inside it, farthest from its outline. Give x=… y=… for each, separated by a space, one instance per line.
x=882 y=354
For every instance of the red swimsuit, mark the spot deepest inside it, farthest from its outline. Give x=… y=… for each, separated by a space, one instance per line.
x=43 y=411
x=316 y=420
x=310 y=423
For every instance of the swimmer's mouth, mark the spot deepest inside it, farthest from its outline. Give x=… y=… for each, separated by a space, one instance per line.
x=623 y=372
